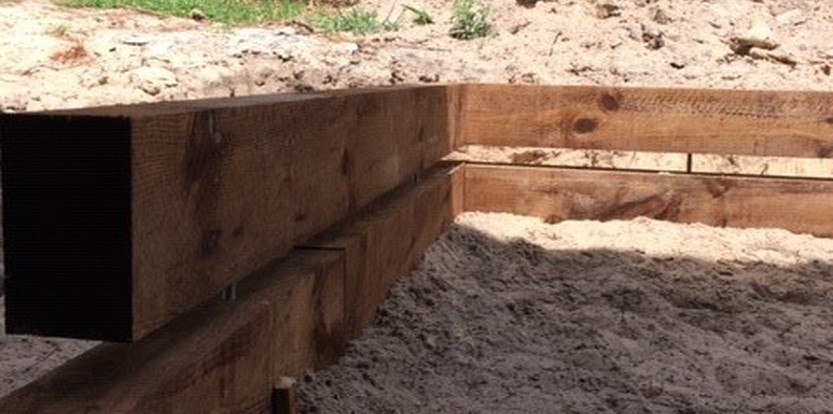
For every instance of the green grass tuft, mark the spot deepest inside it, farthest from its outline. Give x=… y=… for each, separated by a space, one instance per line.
x=356 y=21
x=470 y=20
x=223 y=11
x=421 y=17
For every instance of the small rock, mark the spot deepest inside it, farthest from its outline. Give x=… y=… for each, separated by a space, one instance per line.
x=153 y=79
x=826 y=54
x=137 y=40
x=263 y=74
x=396 y=77
x=758 y=36
x=661 y=17
x=759 y=29
x=197 y=15
x=608 y=10
x=653 y=39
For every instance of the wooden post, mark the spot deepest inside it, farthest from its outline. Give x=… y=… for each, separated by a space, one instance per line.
x=285 y=396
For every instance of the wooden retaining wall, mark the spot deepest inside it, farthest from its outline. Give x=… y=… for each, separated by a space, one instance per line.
x=126 y=223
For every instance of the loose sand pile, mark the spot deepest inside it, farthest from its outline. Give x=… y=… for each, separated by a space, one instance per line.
x=510 y=315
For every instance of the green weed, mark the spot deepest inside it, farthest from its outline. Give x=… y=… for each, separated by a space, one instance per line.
x=223 y=11
x=470 y=20
x=61 y=31
x=421 y=17
x=356 y=20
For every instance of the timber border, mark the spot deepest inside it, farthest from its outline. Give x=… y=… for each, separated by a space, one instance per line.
x=125 y=223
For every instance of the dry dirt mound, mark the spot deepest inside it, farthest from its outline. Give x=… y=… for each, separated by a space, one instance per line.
x=509 y=315
x=55 y=57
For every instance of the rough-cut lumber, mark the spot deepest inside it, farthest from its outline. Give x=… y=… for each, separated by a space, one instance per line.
x=223 y=357
x=773 y=123
x=557 y=194
x=288 y=317
x=388 y=240
x=120 y=218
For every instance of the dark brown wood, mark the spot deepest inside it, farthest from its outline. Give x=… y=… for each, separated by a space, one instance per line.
x=386 y=241
x=559 y=194
x=285 y=396
x=223 y=357
x=289 y=317
x=776 y=123
x=121 y=218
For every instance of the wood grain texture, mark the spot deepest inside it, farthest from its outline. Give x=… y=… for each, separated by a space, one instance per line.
x=560 y=194
x=217 y=188
x=223 y=357
x=776 y=123
x=387 y=240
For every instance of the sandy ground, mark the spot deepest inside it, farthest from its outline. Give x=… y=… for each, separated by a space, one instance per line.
x=25 y=358
x=55 y=57
x=507 y=314
x=647 y=339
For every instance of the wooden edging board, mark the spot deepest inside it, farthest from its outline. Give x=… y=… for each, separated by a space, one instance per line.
x=725 y=201
x=386 y=242
x=288 y=317
x=119 y=219
x=765 y=123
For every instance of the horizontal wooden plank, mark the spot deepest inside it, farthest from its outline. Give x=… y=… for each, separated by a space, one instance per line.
x=565 y=157
x=765 y=166
x=122 y=218
x=386 y=241
x=223 y=357
x=772 y=123
x=558 y=194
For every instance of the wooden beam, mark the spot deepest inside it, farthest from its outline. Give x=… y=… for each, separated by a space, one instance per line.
x=388 y=240
x=223 y=357
x=581 y=194
x=775 y=123
x=118 y=219
x=289 y=317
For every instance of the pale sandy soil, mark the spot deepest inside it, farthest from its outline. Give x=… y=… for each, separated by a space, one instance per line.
x=507 y=314
x=52 y=57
